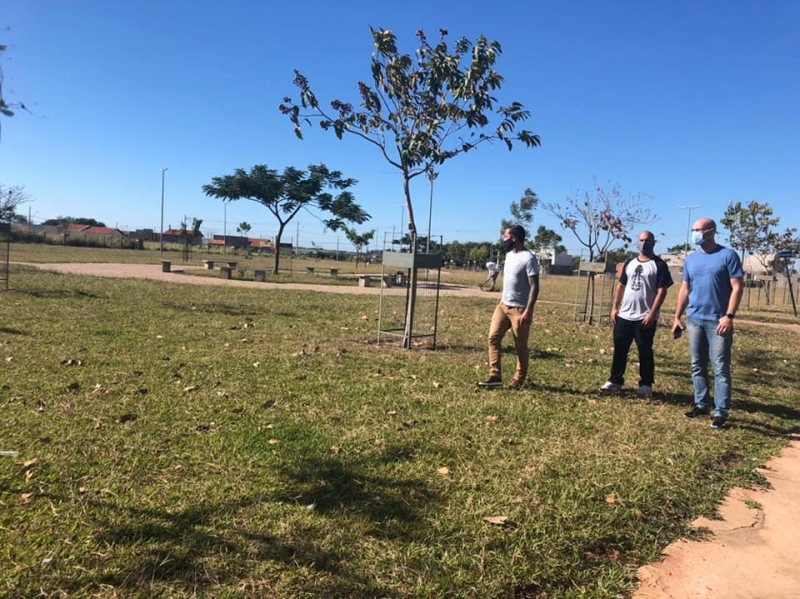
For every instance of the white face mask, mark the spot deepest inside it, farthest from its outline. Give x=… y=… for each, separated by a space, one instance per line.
x=698 y=237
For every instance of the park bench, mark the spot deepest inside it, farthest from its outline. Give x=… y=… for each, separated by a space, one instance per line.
x=309 y=270
x=166 y=265
x=366 y=280
x=259 y=276
x=208 y=264
x=334 y=272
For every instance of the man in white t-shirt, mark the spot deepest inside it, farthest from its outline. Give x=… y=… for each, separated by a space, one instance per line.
x=515 y=310
x=494 y=271
x=642 y=289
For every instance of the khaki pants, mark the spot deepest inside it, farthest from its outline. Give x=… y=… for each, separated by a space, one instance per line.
x=503 y=319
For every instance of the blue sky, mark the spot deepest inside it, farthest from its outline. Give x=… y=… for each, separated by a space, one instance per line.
x=692 y=103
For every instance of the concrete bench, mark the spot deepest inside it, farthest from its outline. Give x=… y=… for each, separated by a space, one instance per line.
x=224 y=272
x=366 y=280
x=166 y=265
x=259 y=276
x=309 y=270
x=232 y=265
x=334 y=272
x=208 y=264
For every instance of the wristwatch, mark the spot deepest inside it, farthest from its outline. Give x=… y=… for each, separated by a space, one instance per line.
x=730 y=316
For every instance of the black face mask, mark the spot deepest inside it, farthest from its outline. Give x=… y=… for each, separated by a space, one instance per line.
x=508 y=245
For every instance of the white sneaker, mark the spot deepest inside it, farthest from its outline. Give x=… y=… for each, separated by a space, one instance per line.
x=609 y=387
x=645 y=391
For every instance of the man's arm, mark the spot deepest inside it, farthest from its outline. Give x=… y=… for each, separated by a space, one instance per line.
x=683 y=300
x=650 y=318
x=726 y=323
x=618 y=293
x=533 y=295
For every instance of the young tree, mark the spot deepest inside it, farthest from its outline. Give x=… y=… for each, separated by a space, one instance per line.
x=10 y=199
x=522 y=211
x=421 y=110
x=598 y=220
x=244 y=228
x=285 y=194
x=359 y=240
x=188 y=235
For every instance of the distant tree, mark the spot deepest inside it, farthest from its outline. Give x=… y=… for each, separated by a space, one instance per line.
x=285 y=194
x=72 y=220
x=243 y=228
x=521 y=212
x=422 y=110
x=600 y=219
x=359 y=240
x=11 y=198
x=479 y=254
x=546 y=241
x=677 y=249
x=750 y=227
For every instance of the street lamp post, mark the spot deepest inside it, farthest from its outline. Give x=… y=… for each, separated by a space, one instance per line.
x=161 y=234
x=688 y=226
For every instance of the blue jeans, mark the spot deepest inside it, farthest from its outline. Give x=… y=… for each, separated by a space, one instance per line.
x=705 y=344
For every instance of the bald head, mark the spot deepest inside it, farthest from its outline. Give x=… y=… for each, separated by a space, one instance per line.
x=705 y=229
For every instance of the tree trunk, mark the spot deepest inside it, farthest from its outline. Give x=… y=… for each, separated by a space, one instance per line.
x=278 y=237
x=412 y=287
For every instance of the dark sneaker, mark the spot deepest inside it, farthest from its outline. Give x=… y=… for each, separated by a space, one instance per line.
x=515 y=384
x=695 y=412
x=718 y=423
x=491 y=383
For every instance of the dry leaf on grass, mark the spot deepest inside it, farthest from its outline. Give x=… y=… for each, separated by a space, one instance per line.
x=610 y=500
x=443 y=471
x=273 y=441
x=30 y=463
x=496 y=520
x=492 y=419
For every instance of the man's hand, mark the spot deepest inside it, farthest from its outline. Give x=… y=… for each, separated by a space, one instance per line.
x=614 y=313
x=649 y=321
x=527 y=316
x=676 y=325
x=724 y=326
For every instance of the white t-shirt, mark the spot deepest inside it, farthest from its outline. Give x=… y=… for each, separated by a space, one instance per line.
x=492 y=267
x=516 y=287
x=642 y=280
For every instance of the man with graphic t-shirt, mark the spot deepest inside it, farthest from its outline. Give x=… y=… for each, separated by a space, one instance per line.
x=642 y=289
x=515 y=310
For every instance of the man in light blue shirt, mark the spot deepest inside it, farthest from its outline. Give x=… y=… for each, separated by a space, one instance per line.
x=710 y=294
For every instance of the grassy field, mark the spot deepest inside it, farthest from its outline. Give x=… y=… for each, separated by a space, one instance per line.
x=180 y=441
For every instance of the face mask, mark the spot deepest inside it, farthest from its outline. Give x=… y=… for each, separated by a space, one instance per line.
x=697 y=237
x=508 y=245
x=645 y=247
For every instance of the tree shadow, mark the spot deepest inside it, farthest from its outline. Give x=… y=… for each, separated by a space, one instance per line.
x=207 y=308
x=10 y=331
x=59 y=294
x=178 y=548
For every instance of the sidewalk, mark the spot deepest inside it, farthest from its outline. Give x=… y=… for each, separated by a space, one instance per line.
x=753 y=551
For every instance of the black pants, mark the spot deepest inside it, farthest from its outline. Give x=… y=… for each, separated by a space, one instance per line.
x=625 y=332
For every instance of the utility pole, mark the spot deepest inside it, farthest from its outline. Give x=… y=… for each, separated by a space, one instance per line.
x=688 y=226
x=161 y=233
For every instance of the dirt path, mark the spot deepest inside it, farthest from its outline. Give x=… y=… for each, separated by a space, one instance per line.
x=753 y=551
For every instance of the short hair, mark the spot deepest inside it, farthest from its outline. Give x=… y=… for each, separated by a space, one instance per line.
x=517 y=231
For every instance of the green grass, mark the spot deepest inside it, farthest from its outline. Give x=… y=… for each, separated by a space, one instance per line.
x=230 y=442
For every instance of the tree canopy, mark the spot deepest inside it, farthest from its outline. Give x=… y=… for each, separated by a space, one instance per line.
x=421 y=109
x=286 y=193
x=522 y=211
x=73 y=220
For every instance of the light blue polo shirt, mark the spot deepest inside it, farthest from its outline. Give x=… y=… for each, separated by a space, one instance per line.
x=709 y=276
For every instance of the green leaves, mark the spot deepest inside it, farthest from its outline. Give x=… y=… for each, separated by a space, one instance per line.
x=418 y=107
